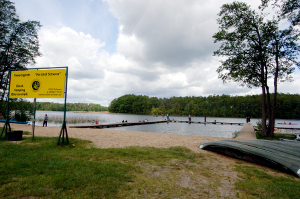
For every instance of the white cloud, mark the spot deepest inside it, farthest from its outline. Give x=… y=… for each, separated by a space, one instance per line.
x=66 y=47
x=170 y=32
x=163 y=49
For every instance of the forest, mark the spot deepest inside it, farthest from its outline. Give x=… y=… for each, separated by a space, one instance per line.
x=288 y=106
x=23 y=109
x=50 y=106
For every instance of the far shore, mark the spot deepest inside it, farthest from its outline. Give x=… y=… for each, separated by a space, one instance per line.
x=90 y=112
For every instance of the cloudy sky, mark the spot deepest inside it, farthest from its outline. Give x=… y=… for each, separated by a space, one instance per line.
x=159 y=48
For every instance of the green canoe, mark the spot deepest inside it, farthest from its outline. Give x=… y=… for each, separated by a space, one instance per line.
x=282 y=155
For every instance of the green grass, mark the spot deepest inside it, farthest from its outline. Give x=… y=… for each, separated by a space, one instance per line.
x=27 y=133
x=258 y=183
x=40 y=169
x=275 y=137
x=235 y=134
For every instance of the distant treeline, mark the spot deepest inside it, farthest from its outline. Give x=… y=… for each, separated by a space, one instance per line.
x=288 y=106
x=50 y=106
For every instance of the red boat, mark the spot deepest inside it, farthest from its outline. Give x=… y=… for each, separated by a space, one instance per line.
x=286 y=123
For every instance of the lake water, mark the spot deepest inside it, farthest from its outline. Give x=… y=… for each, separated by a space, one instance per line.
x=218 y=130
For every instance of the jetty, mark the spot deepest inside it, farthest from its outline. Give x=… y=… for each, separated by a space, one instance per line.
x=247 y=132
x=215 y=122
x=122 y=124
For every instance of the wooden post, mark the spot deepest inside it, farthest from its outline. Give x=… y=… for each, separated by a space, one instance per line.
x=33 y=122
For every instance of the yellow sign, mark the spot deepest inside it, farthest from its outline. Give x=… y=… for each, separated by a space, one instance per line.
x=37 y=84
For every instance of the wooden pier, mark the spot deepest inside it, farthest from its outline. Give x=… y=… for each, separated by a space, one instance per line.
x=113 y=125
x=215 y=122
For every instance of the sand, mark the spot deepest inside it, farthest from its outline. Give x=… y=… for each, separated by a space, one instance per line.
x=106 y=138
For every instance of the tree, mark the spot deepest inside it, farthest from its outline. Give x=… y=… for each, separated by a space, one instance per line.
x=255 y=50
x=19 y=45
x=211 y=106
x=289 y=9
x=22 y=109
x=283 y=51
x=244 y=47
x=284 y=47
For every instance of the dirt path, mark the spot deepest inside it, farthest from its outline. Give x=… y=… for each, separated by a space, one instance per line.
x=247 y=132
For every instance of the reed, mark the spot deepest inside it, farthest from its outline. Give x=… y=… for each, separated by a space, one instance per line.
x=72 y=119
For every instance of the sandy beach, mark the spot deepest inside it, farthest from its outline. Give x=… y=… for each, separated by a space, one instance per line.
x=105 y=138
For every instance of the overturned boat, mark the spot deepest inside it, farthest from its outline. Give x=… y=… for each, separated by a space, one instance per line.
x=13 y=121
x=281 y=155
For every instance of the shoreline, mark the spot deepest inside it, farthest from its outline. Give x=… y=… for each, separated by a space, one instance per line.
x=89 y=111
x=106 y=138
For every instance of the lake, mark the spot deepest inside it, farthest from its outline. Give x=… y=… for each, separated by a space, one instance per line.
x=211 y=130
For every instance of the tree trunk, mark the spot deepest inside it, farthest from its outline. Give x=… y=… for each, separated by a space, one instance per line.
x=264 y=117
x=272 y=121
x=269 y=110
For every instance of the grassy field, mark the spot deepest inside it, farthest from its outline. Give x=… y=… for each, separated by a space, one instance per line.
x=40 y=169
x=276 y=136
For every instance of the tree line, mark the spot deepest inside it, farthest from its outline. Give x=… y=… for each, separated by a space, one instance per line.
x=288 y=106
x=50 y=106
x=23 y=110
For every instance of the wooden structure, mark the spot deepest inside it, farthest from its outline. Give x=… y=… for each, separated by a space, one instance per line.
x=215 y=122
x=113 y=125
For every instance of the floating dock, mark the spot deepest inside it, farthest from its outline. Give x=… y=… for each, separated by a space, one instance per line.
x=113 y=125
x=215 y=122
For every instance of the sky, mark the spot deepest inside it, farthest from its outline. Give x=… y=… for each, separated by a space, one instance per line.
x=142 y=47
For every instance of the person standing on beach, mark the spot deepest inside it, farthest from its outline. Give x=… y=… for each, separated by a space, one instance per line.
x=13 y=116
x=45 y=120
x=190 y=119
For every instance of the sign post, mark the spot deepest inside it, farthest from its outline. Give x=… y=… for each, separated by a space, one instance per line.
x=39 y=83
x=64 y=126
x=33 y=121
x=6 y=124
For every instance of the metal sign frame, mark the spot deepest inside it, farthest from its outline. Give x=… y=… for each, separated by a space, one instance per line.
x=64 y=126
